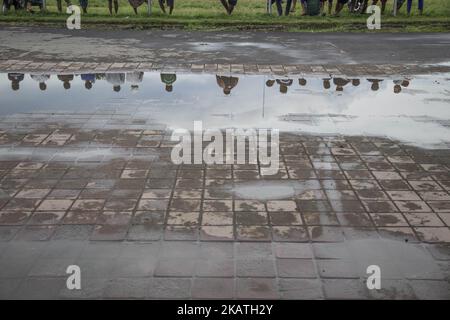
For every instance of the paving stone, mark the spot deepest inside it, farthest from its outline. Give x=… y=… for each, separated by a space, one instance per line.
x=213 y=288
x=256 y=288
x=296 y=268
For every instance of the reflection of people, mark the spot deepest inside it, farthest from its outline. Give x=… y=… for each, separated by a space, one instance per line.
x=229 y=5
x=41 y=79
x=168 y=79
x=15 y=79
x=398 y=84
x=284 y=84
x=110 y=5
x=170 y=4
x=135 y=78
x=375 y=84
x=227 y=83
x=89 y=79
x=355 y=82
x=116 y=79
x=65 y=78
x=326 y=83
x=340 y=83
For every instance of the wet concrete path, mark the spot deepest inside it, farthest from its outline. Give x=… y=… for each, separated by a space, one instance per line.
x=90 y=182
x=172 y=47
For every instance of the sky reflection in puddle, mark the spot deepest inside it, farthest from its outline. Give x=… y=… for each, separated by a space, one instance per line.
x=414 y=110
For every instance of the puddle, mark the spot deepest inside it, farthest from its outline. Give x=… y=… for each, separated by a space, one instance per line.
x=268 y=190
x=413 y=110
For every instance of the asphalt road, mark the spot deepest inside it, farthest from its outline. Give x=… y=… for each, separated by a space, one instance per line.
x=171 y=47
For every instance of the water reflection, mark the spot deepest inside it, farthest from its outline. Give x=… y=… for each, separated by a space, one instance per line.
x=227 y=83
x=412 y=109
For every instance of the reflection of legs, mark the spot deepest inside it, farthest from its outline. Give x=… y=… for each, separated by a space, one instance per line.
x=330 y=6
x=59 y=5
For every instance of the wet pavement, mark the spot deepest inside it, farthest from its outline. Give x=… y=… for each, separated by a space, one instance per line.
x=86 y=178
x=174 y=47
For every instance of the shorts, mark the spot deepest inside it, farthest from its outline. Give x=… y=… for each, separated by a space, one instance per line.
x=232 y=2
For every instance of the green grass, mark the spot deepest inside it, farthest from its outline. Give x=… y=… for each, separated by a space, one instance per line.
x=248 y=15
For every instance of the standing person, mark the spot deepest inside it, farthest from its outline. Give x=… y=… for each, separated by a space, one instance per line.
x=229 y=5
x=135 y=78
x=168 y=79
x=170 y=4
x=41 y=79
x=339 y=6
x=279 y=4
x=15 y=79
x=227 y=83
x=135 y=4
x=59 y=4
x=383 y=4
x=65 y=78
x=89 y=79
x=375 y=84
x=409 y=6
x=284 y=84
x=116 y=79
x=110 y=5
x=302 y=3
x=84 y=5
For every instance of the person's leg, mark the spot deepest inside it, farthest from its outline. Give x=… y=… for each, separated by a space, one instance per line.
x=420 y=7
x=330 y=7
x=339 y=7
x=294 y=4
x=303 y=2
x=59 y=5
x=288 y=7
x=408 y=7
x=116 y=6
x=171 y=4
x=231 y=5
x=110 y=7
x=279 y=6
x=383 y=5
x=161 y=5
x=225 y=4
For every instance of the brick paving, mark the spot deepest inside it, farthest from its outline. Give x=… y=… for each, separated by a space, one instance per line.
x=139 y=226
